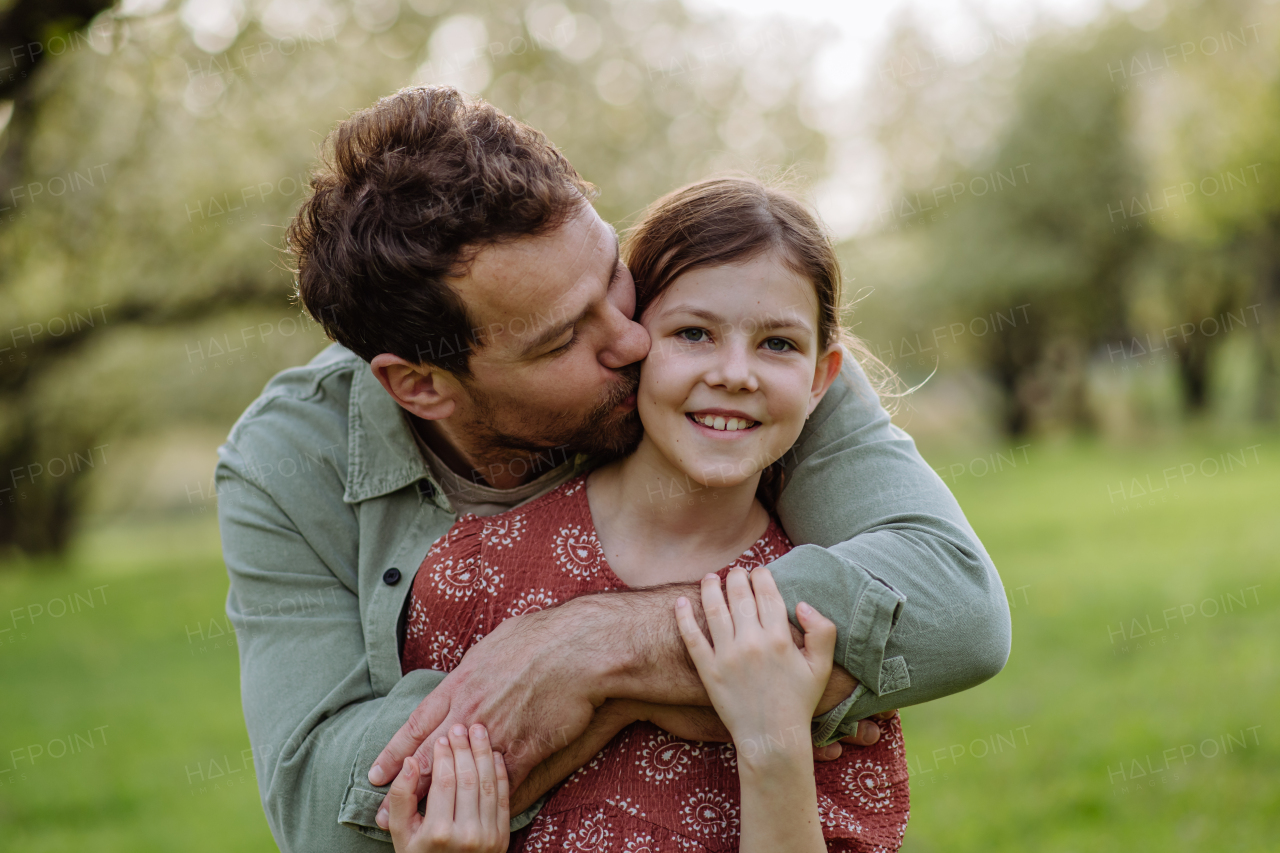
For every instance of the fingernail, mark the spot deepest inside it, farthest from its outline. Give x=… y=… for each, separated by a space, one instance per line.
x=383 y=818
x=803 y=609
x=479 y=732
x=377 y=776
x=682 y=602
x=458 y=730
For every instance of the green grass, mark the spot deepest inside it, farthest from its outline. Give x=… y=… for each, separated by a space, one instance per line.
x=1074 y=703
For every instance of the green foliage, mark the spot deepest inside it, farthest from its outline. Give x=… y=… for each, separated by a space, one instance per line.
x=1077 y=193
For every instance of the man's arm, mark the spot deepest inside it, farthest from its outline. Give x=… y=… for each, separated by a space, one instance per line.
x=870 y=516
x=536 y=680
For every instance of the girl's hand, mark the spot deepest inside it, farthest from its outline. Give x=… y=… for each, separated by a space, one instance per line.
x=467 y=804
x=764 y=688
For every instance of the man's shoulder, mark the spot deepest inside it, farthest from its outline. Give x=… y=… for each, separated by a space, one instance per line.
x=305 y=407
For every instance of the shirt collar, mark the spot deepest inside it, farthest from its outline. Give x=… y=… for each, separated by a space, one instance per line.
x=381 y=454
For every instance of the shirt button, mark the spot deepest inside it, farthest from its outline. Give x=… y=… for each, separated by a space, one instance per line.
x=391 y=577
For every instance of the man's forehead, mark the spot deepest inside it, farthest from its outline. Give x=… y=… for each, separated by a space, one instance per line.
x=538 y=279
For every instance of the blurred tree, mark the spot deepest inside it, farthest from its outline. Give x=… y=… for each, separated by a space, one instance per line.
x=1214 y=140
x=30 y=30
x=1012 y=229
x=139 y=265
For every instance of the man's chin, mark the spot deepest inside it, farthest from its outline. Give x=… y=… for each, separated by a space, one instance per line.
x=611 y=438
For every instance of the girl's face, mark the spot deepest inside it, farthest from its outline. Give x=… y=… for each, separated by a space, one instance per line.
x=734 y=369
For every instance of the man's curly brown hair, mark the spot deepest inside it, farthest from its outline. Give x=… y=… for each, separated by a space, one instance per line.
x=406 y=192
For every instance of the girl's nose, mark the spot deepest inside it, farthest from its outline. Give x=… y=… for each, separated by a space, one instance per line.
x=732 y=369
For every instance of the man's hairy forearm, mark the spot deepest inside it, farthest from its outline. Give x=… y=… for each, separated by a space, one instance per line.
x=636 y=651
x=633 y=643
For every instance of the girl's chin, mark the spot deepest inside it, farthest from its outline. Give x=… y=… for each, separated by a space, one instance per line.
x=723 y=475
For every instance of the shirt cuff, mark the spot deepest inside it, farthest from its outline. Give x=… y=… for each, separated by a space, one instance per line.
x=359 y=809
x=863 y=606
x=827 y=727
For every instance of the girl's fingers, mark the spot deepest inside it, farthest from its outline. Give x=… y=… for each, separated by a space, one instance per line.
x=443 y=787
x=769 y=602
x=466 y=806
x=719 y=620
x=503 y=819
x=819 y=637
x=694 y=640
x=742 y=602
x=402 y=800
x=486 y=777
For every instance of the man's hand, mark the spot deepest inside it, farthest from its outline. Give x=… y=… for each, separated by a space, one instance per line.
x=532 y=696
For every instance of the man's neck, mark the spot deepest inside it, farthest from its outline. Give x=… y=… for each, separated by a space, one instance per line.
x=453 y=452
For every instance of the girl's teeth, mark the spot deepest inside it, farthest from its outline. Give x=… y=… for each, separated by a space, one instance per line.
x=725 y=424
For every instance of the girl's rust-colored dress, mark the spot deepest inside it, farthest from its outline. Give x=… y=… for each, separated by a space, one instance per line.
x=646 y=790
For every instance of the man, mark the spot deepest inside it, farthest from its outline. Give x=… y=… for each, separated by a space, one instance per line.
x=488 y=353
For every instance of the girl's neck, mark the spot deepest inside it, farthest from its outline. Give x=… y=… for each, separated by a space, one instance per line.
x=658 y=525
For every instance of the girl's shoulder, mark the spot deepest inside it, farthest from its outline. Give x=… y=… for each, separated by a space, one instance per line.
x=525 y=524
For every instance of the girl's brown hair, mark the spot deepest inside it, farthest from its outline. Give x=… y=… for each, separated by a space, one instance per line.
x=731 y=220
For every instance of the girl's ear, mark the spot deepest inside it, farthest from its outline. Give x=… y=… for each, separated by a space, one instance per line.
x=824 y=373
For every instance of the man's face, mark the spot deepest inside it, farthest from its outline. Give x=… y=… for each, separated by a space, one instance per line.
x=558 y=361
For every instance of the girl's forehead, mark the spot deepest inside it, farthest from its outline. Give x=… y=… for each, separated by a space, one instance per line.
x=764 y=285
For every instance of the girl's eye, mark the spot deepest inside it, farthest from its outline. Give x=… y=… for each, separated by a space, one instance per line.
x=778 y=344
x=693 y=336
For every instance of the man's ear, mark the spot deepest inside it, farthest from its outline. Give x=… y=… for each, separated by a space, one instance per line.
x=424 y=390
x=826 y=371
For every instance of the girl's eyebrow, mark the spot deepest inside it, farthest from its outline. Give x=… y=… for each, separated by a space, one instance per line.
x=770 y=323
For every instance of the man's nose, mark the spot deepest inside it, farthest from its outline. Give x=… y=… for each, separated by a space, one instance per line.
x=628 y=342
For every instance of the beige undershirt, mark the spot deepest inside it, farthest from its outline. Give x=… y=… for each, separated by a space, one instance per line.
x=468 y=496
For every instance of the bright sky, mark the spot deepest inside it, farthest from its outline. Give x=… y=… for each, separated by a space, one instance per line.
x=860 y=25
x=961 y=28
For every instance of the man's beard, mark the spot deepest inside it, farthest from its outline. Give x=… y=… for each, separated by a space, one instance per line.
x=604 y=433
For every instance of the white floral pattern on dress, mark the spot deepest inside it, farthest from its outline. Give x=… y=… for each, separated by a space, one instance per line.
x=664 y=757
x=591 y=834
x=625 y=804
x=711 y=813
x=502 y=531
x=445 y=651
x=760 y=554
x=462 y=577
x=542 y=833
x=834 y=816
x=869 y=783
x=577 y=551
x=534 y=599
x=642 y=843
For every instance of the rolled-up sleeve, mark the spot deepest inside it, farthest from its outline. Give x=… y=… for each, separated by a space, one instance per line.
x=885 y=552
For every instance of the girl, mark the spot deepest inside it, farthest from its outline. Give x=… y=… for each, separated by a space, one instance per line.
x=739 y=289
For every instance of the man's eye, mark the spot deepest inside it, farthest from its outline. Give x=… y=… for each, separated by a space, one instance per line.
x=778 y=344
x=565 y=348
x=693 y=336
